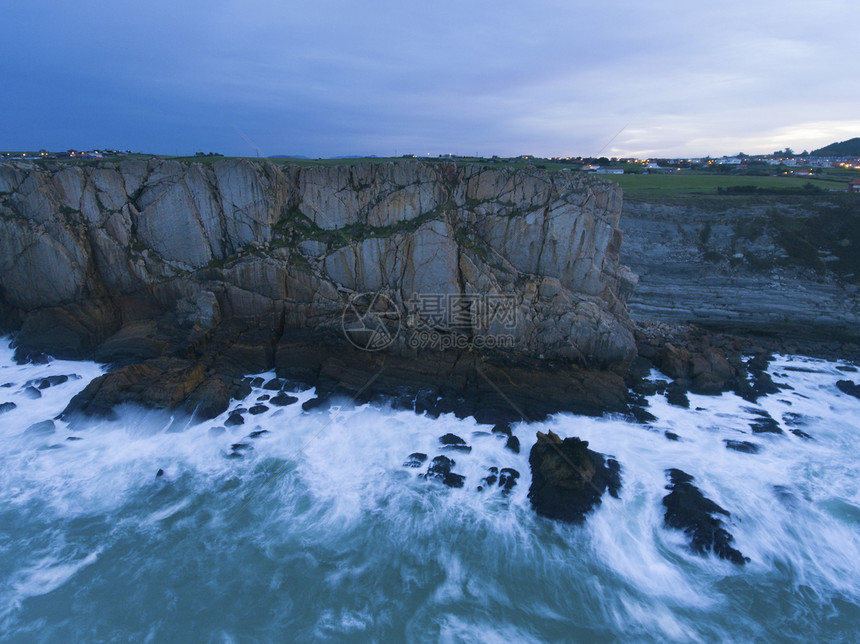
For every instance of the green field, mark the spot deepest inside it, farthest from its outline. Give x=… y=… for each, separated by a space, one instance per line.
x=689 y=183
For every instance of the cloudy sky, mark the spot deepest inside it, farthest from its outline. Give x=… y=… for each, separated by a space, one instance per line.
x=337 y=77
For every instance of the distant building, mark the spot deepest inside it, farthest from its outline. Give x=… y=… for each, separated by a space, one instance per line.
x=854 y=185
x=609 y=171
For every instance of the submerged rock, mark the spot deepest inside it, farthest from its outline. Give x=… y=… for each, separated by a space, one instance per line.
x=7 y=406
x=416 y=459
x=689 y=510
x=44 y=428
x=765 y=424
x=506 y=478
x=742 y=446
x=568 y=479
x=52 y=381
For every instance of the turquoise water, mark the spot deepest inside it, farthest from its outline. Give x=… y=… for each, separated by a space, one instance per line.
x=318 y=533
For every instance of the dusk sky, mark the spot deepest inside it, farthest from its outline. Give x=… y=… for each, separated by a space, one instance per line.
x=549 y=78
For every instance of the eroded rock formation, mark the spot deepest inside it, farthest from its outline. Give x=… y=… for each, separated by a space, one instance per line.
x=568 y=479
x=241 y=265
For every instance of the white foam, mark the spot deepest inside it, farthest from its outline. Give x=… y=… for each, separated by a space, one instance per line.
x=330 y=485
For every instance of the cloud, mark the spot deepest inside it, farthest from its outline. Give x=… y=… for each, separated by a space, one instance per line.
x=336 y=77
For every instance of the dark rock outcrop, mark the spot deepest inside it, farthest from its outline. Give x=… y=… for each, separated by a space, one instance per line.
x=454 y=442
x=568 y=479
x=440 y=469
x=160 y=383
x=689 y=510
x=849 y=387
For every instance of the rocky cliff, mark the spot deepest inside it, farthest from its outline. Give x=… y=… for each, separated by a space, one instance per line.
x=780 y=266
x=162 y=261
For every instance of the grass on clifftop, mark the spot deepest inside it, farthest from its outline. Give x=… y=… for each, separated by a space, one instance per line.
x=645 y=186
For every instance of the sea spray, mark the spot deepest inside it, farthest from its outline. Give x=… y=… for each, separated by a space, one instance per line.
x=316 y=530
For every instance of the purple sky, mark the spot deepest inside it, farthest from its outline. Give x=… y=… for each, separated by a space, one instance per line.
x=550 y=78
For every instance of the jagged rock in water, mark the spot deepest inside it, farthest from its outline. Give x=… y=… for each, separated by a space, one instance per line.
x=440 y=469
x=32 y=393
x=764 y=424
x=508 y=479
x=7 y=406
x=454 y=442
x=676 y=394
x=849 y=387
x=689 y=510
x=490 y=480
x=258 y=409
x=568 y=479
x=503 y=429
x=513 y=444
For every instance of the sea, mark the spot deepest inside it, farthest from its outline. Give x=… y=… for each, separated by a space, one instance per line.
x=306 y=526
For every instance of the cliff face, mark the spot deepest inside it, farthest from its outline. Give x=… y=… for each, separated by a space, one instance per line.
x=779 y=266
x=88 y=252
